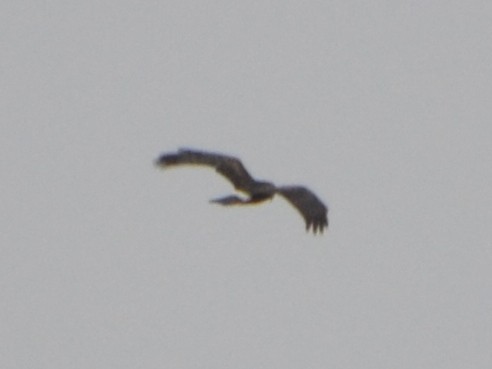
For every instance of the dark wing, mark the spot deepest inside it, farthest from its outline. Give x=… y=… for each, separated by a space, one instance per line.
x=228 y=166
x=311 y=208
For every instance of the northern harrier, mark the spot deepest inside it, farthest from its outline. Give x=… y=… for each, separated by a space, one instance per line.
x=311 y=208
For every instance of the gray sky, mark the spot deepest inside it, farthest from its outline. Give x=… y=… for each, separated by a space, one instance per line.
x=382 y=108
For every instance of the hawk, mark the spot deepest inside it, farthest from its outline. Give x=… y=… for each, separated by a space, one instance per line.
x=304 y=200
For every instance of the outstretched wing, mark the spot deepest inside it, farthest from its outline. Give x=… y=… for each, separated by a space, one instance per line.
x=230 y=167
x=311 y=208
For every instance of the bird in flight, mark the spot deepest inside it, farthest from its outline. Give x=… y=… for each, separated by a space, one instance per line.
x=306 y=202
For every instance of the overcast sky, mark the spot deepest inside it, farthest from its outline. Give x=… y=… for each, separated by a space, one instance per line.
x=382 y=108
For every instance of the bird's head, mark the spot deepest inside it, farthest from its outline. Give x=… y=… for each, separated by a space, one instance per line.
x=262 y=187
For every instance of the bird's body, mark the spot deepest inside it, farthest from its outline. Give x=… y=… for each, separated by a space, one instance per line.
x=311 y=208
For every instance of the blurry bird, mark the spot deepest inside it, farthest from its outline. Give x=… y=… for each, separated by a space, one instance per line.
x=311 y=208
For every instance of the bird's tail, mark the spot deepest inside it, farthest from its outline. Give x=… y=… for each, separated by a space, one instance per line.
x=229 y=200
